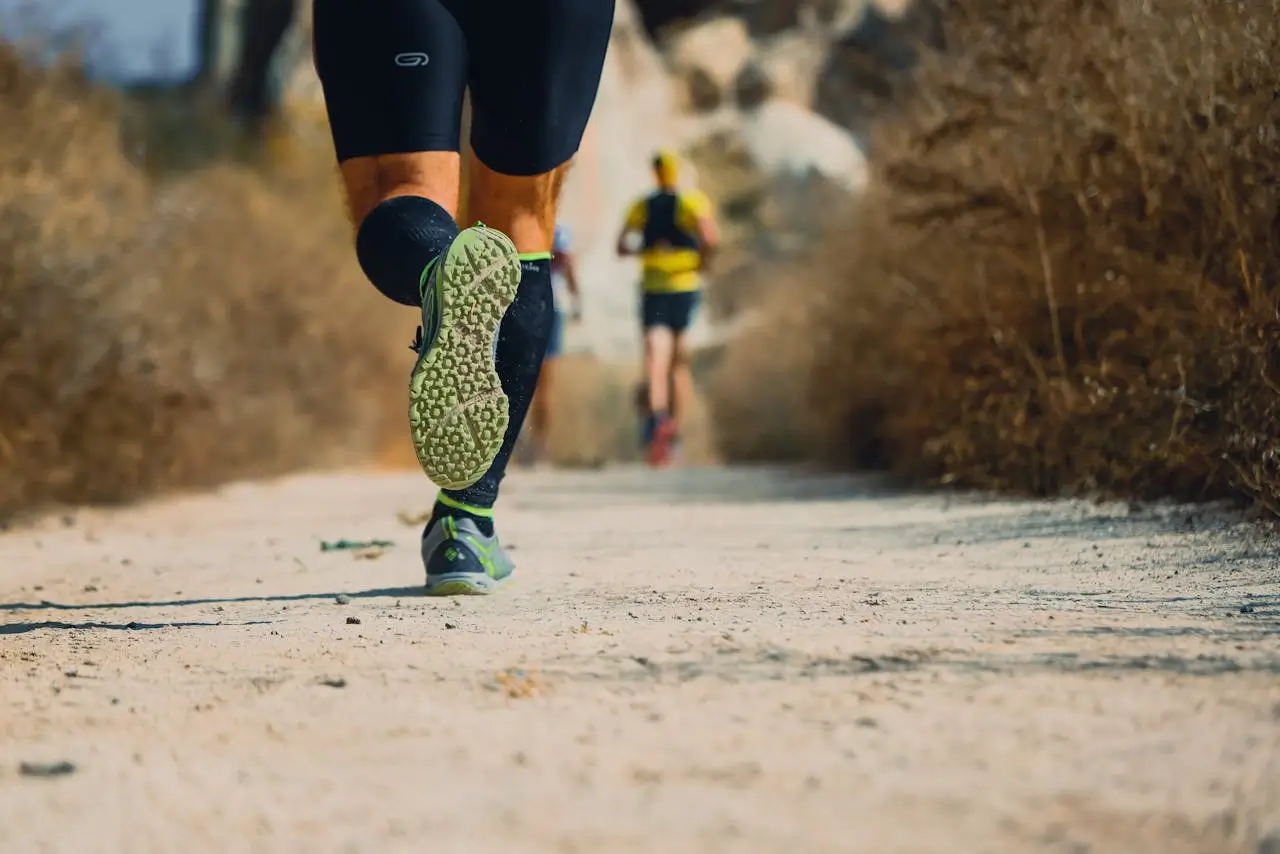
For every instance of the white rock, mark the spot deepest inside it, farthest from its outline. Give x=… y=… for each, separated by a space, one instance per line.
x=785 y=139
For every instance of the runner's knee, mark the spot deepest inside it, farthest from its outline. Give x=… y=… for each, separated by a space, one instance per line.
x=372 y=180
x=658 y=341
x=679 y=352
x=397 y=240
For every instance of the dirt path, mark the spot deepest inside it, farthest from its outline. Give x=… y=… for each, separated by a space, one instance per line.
x=706 y=661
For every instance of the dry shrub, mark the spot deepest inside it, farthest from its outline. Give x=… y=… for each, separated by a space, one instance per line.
x=161 y=334
x=756 y=391
x=1065 y=278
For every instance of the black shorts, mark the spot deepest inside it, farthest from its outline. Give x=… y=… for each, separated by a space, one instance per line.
x=674 y=311
x=394 y=72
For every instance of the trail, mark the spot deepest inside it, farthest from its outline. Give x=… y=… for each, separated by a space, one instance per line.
x=689 y=661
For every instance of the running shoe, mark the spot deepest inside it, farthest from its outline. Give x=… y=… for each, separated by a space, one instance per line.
x=458 y=412
x=461 y=561
x=662 y=440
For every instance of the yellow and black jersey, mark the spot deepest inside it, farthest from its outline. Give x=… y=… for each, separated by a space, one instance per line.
x=670 y=257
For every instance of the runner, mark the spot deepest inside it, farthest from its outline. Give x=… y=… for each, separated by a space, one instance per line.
x=678 y=235
x=393 y=74
x=564 y=276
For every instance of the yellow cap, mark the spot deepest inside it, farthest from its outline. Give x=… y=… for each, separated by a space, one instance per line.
x=666 y=166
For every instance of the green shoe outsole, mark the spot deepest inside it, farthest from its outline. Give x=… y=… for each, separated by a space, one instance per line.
x=458 y=412
x=470 y=586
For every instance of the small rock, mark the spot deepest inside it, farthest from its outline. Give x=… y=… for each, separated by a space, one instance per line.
x=342 y=599
x=869 y=723
x=450 y=625
x=353 y=621
x=91 y=588
x=1270 y=844
x=46 y=769
x=1248 y=609
x=334 y=682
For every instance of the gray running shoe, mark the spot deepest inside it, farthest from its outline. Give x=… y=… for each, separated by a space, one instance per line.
x=461 y=561
x=458 y=412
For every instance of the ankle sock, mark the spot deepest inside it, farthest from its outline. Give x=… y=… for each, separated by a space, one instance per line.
x=446 y=506
x=396 y=242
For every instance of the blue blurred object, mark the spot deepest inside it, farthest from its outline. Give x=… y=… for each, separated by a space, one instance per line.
x=125 y=42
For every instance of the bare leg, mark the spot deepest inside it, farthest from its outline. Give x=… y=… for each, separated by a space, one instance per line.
x=659 y=346
x=681 y=380
x=369 y=181
x=522 y=207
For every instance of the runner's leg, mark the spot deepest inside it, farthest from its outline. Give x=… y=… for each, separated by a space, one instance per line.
x=659 y=336
x=393 y=74
x=681 y=376
x=534 y=69
x=659 y=348
x=395 y=127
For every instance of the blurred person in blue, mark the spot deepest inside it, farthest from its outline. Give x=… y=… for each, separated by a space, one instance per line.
x=565 y=290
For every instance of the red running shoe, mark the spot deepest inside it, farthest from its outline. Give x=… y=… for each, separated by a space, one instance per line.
x=661 y=444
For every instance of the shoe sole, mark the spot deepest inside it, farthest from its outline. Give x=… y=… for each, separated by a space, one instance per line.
x=458 y=413
x=461 y=584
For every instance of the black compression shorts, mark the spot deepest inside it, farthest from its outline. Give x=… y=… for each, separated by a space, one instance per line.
x=394 y=71
x=675 y=311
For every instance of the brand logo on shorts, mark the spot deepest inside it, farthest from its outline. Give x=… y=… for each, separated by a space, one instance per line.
x=411 y=60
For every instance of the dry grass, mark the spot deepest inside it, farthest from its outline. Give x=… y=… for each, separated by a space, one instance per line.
x=171 y=333
x=1066 y=277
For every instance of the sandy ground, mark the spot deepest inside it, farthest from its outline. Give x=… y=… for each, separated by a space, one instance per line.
x=698 y=661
